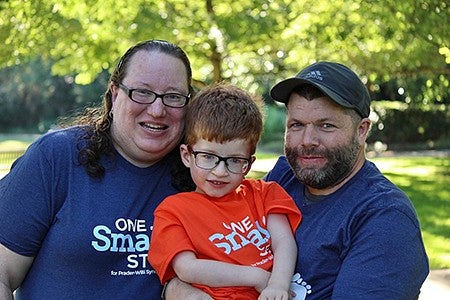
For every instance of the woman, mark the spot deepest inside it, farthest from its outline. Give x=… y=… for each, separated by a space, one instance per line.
x=76 y=210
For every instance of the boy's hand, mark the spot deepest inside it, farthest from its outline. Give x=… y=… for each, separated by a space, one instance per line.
x=272 y=292
x=262 y=278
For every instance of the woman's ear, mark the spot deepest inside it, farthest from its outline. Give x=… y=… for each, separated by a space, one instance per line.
x=185 y=155
x=114 y=91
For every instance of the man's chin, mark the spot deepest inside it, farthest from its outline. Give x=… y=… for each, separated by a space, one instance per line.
x=311 y=170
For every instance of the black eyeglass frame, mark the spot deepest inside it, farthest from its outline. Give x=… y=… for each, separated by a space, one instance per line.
x=221 y=158
x=129 y=93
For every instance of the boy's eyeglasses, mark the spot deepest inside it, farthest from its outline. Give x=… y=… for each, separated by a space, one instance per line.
x=209 y=161
x=143 y=96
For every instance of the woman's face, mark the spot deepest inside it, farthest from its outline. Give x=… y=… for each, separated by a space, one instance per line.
x=144 y=133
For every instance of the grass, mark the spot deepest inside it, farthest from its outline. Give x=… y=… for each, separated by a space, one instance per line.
x=16 y=139
x=426 y=180
x=12 y=143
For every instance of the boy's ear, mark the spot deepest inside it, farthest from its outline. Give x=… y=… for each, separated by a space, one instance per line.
x=185 y=155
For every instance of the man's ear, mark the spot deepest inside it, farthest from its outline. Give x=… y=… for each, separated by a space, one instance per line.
x=363 y=130
x=185 y=155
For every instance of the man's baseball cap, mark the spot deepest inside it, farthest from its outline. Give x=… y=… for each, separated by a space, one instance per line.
x=335 y=80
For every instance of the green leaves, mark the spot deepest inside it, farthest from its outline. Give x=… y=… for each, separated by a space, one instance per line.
x=253 y=43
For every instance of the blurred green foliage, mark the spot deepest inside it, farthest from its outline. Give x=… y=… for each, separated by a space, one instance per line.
x=56 y=55
x=252 y=43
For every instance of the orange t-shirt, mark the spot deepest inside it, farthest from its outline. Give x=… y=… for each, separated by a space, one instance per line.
x=231 y=229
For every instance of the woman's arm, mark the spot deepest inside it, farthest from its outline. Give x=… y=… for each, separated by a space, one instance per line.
x=13 y=268
x=284 y=250
x=216 y=273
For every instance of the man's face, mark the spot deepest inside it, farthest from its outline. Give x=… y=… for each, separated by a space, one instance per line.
x=322 y=144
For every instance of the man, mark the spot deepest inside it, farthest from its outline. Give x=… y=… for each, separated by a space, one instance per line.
x=360 y=237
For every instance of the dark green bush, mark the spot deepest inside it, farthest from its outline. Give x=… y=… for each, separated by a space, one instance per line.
x=272 y=139
x=400 y=127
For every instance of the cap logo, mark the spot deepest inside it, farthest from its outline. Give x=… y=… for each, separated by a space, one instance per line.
x=314 y=74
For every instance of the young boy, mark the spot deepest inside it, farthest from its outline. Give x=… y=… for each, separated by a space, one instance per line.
x=232 y=237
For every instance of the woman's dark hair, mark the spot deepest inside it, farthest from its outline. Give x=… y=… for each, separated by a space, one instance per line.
x=97 y=139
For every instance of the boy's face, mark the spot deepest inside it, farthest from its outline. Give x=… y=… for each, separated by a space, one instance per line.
x=217 y=180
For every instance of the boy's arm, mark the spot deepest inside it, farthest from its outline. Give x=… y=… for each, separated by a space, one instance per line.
x=284 y=250
x=216 y=273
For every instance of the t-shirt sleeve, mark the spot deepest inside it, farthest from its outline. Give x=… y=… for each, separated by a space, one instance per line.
x=168 y=239
x=26 y=210
x=384 y=259
x=278 y=201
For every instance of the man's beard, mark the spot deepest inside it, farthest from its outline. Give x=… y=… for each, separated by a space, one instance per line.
x=340 y=162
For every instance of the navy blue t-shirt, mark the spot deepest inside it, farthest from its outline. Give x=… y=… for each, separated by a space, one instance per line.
x=89 y=236
x=361 y=242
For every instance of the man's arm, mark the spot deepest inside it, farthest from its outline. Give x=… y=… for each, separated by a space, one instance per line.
x=13 y=268
x=284 y=249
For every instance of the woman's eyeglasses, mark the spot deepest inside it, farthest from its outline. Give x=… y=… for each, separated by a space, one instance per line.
x=143 y=96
